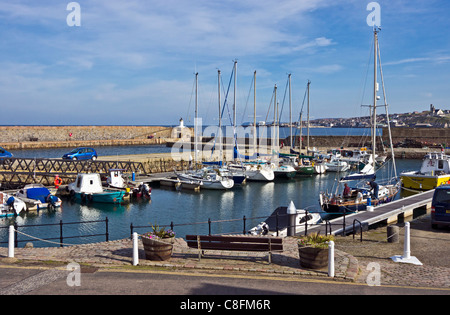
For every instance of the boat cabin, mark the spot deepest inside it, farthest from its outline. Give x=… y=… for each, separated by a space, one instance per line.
x=435 y=164
x=87 y=183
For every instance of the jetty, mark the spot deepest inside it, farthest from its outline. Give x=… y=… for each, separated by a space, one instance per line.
x=387 y=213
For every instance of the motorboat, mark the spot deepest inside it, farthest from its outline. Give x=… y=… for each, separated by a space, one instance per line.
x=116 y=179
x=37 y=197
x=88 y=188
x=10 y=205
x=335 y=165
x=434 y=172
x=207 y=179
x=279 y=219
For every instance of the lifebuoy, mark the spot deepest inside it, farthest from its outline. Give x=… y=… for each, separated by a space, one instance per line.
x=57 y=182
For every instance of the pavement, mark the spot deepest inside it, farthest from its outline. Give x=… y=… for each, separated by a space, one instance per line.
x=359 y=262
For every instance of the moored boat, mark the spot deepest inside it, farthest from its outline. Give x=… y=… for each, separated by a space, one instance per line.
x=37 y=197
x=88 y=188
x=434 y=172
x=10 y=205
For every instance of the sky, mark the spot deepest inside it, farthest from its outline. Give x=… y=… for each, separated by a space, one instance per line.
x=134 y=62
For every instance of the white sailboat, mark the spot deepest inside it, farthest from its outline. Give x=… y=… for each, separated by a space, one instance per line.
x=359 y=197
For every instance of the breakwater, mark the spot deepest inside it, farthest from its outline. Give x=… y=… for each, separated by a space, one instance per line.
x=33 y=137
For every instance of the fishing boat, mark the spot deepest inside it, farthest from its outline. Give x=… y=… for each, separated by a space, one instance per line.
x=358 y=196
x=10 y=205
x=117 y=180
x=88 y=188
x=434 y=172
x=38 y=197
x=279 y=219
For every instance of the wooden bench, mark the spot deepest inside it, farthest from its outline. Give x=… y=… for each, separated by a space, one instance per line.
x=235 y=243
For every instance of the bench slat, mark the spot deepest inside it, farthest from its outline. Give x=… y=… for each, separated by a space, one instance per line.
x=239 y=239
x=235 y=246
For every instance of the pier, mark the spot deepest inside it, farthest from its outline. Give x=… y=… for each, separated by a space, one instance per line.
x=388 y=213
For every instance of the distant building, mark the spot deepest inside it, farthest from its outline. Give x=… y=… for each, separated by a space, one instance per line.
x=181 y=132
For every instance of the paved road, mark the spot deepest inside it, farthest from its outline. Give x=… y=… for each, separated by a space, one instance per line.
x=54 y=281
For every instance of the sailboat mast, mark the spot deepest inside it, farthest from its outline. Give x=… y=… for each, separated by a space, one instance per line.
x=254 y=112
x=375 y=88
x=234 y=106
x=290 y=112
x=307 y=139
x=196 y=120
x=275 y=120
x=220 y=118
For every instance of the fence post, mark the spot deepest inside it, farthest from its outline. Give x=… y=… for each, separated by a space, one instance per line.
x=16 y=241
x=292 y=214
x=407 y=246
x=331 y=259
x=244 y=223
x=61 y=233
x=131 y=229
x=209 y=226
x=135 y=249
x=107 y=230
x=11 y=242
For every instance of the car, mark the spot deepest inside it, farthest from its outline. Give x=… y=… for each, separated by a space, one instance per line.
x=440 y=206
x=81 y=154
x=5 y=154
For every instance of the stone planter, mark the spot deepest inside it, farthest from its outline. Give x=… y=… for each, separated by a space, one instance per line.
x=158 y=249
x=313 y=258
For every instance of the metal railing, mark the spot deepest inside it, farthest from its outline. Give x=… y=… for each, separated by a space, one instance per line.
x=61 y=236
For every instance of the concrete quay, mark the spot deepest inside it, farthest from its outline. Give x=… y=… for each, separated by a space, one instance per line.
x=354 y=260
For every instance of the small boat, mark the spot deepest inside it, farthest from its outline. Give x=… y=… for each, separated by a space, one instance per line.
x=285 y=171
x=116 y=180
x=38 y=197
x=335 y=165
x=207 y=179
x=10 y=205
x=88 y=188
x=434 y=172
x=269 y=226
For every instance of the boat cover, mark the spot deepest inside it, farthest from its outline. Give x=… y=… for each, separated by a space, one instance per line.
x=39 y=193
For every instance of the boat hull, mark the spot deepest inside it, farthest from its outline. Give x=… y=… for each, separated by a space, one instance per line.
x=423 y=182
x=104 y=197
x=305 y=170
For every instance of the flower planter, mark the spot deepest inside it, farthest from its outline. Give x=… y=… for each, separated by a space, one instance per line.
x=158 y=249
x=313 y=258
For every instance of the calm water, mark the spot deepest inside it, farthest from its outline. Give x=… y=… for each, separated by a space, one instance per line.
x=252 y=200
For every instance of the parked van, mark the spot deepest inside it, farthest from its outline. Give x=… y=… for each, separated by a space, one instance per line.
x=440 y=207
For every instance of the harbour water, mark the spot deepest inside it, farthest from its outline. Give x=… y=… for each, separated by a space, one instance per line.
x=251 y=200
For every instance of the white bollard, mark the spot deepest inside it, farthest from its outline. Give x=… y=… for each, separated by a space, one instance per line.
x=135 y=249
x=407 y=243
x=331 y=259
x=11 y=242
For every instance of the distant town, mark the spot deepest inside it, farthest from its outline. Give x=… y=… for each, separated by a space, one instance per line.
x=431 y=118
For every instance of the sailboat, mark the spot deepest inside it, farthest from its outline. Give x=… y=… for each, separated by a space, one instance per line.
x=359 y=197
x=206 y=178
x=256 y=169
x=285 y=170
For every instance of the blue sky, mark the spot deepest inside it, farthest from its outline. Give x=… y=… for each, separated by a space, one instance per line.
x=133 y=62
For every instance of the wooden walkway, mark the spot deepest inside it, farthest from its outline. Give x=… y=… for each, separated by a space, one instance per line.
x=388 y=212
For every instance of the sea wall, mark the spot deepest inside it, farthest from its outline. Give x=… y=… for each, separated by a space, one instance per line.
x=27 y=137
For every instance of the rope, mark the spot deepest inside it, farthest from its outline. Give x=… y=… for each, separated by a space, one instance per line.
x=42 y=240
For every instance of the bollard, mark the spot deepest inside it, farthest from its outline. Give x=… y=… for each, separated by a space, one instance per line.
x=331 y=259
x=292 y=214
x=135 y=249
x=11 y=242
x=392 y=234
x=407 y=245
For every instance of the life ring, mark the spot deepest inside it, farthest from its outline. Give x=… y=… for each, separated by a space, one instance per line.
x=57 y=181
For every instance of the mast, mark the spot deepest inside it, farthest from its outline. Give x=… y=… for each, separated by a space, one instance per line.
x=196 y=120
x=220 y=119
x=307 y=139
x=234 y=105
x=254 y=113
x=375 y=88
x=275 y=119
x=290 y=112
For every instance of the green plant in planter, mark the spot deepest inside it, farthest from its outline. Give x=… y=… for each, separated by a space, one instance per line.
x=159 y=233
x=315 y=240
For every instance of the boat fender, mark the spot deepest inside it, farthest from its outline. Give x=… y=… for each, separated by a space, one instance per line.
x=359 y=197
